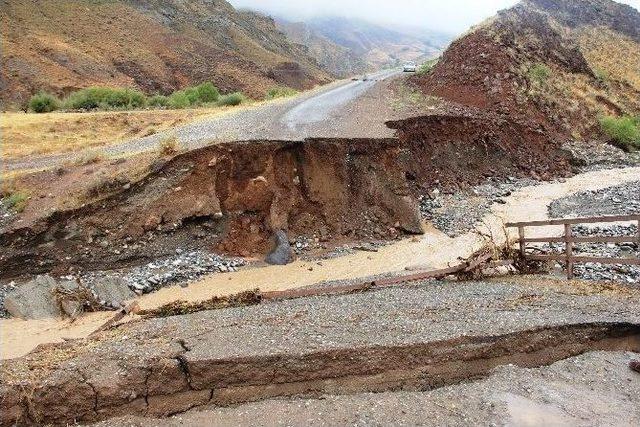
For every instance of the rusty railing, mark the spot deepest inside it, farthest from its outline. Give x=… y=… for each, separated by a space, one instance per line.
x=569 y=240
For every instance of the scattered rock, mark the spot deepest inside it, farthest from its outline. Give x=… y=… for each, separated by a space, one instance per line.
x=622 y=199
x=34 y=299
x=282 y=253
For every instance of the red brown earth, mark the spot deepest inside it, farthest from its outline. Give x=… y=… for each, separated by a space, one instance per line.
x=232 y=197
x=153 y=45
x=491 y=67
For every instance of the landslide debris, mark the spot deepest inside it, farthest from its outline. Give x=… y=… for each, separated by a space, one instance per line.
x=234 y=197
x=558 y=64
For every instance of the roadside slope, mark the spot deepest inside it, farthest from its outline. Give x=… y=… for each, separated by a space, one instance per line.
x=154 y=45
x=557 y=63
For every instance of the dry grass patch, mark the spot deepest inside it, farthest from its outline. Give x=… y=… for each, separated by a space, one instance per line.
x=33 y=134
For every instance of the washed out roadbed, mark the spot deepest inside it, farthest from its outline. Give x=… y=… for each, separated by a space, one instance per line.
x=372 y=341
x=596 y=386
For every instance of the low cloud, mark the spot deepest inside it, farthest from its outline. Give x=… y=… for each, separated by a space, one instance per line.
x=453 y=16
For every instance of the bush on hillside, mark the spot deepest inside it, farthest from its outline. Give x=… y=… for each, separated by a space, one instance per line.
x=539 y=74
x=179 y=100
x=235 y=98
x=158 y=101
x=93 y=98
x=623 y=131
x=280 y=92
x=43 y=102
x=207 y=92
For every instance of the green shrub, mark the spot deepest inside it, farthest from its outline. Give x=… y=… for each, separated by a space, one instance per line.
x=93 y=98
x=207 y=92
x=601 y=75
x=158 y=101
x=43 y=102
x=235 y=98
x=193 y=96
x=280 y=92
x=16 y=201
x=539 y=74
x=623 y=131
x=179 y=99
x=125 y=98
x=428 y=66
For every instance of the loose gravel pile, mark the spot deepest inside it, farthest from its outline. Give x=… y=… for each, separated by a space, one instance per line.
x=595 y=155
x=619 y=200
x=458 y=213
x=629 y=274
x=180 y=269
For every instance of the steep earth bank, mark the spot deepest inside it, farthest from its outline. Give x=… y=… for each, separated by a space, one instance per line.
x=236 y=196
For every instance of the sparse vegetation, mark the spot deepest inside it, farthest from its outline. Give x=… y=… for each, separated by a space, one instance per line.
x=43 y=102
x=169 y=145
x=623 y=131
x=158 y=101
x=235 y=98
x=90 y=158
x=428 y=66
x=16 y=201
x=280 y=92
x=539 y=74
x=601 y=75
x=105 y=98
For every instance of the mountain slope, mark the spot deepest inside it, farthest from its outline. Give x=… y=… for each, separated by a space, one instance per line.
x=155 y=45
x=338 y=60
x=377 y=45
x=559 y=63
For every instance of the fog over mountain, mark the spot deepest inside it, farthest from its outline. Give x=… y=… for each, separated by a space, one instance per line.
x=453 y=16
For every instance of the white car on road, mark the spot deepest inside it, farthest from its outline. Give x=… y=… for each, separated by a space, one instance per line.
x=410 y=67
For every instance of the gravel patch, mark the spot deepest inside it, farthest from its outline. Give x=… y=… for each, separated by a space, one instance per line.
x=596 y=155
x=458 y=213
x=619 y=200
x=629 y=274
x=6 y=215
x=418 y=313
x=180 y=269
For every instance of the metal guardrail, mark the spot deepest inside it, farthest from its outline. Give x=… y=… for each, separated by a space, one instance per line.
x=569 y=240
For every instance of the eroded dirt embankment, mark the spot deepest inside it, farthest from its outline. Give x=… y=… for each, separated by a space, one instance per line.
x=233 y=197
x=161 y=382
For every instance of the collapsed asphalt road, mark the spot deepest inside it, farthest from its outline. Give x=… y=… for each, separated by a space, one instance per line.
x=310 y=114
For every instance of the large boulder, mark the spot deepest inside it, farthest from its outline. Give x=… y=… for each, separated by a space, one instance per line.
x=112 y=291
x=282 y=253
x=34 y=299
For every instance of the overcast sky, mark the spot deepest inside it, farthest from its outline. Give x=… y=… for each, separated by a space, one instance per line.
x=452 y=16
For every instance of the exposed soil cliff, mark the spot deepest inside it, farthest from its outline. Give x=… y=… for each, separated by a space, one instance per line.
x=233 y=197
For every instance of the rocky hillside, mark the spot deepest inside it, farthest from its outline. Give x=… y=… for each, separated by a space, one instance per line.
x=350 y=46
x=557 y=63
x=377 y=45
x=338 y=60
x=154 y=45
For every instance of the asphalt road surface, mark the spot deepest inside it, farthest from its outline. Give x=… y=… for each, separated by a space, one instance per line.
x=311 y=114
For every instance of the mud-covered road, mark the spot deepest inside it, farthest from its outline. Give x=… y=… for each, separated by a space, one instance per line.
x=323 y=112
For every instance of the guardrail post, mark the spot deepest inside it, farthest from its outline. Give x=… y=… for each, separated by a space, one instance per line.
x=521 y=240
x=568 y=240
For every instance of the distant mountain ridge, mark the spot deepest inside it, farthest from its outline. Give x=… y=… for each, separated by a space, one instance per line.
x=153 y=45
x=346 y=46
